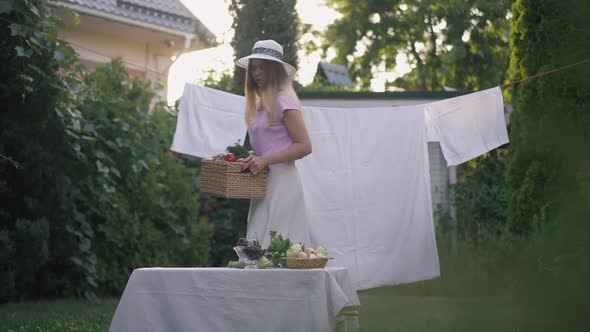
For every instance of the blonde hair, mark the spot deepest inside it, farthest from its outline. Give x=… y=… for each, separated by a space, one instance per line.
x=277 y=83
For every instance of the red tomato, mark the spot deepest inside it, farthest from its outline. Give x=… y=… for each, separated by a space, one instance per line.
x=230 y=157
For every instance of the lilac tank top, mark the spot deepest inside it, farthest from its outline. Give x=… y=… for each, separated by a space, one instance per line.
x=267 y=138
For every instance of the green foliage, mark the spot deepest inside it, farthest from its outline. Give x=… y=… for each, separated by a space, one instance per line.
x=429 y=35
x=259 y=19
x=140 y=201
x=550 y=127
x=33 y=216
x=31 y=240
x=229 y=219
x=238 y=150
x=219 y=81
x=479 y=196
x=278 y=249
x=97 y=195
x=547 y=174
x=540 y=258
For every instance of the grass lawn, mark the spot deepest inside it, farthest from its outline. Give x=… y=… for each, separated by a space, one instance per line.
x=58 y=315
x=384 y=309
x=415 y=307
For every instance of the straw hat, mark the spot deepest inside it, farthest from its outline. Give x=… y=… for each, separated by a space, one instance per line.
x=268 y=50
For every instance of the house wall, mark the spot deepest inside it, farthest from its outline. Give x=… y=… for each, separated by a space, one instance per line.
x=91 y=65
x=147 y=54
x=439 y=172
x=135 y=53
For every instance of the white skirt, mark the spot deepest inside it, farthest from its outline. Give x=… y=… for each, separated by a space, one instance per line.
x=282 y=209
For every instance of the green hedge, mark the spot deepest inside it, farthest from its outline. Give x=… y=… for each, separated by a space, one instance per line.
x=147 y=211
x=97 y=195
x=550 y=125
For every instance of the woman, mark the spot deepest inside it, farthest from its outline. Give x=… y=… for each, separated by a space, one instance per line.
x=279 y=137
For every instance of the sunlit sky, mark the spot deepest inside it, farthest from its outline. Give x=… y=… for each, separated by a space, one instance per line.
x=194 y=66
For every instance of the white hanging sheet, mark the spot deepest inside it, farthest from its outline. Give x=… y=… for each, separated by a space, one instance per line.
x=367 y=191
x=208 y=121
x=467 y=126
x=367 y=182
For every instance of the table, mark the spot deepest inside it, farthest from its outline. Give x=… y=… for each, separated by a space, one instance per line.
x=225 y=299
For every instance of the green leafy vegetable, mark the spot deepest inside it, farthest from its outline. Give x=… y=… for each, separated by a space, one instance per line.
x=278 y=249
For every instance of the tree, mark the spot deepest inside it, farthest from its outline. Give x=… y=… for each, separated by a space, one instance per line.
x=548 y=178
x=219 y=81
x=462 y=44
x=549 y=155
x=35 y=131
x=260 y=19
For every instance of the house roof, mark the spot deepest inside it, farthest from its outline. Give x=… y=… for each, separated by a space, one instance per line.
x=169 y=14
x=335 y=74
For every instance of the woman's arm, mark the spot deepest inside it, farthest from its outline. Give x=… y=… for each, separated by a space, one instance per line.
x=300 y=148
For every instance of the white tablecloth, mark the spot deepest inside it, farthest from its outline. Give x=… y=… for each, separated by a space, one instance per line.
x=224 y=299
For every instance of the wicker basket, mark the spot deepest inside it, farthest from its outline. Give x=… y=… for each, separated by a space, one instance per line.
x=226 y=179
x=307 y=263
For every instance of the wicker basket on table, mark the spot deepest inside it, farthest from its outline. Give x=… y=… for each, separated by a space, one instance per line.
x=225 y=179
x=306 y=263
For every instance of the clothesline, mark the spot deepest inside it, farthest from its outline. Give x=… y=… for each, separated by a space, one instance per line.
x=544 y=73
x=162 y=74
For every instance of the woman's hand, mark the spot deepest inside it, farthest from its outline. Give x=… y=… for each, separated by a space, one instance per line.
x=255 y=164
